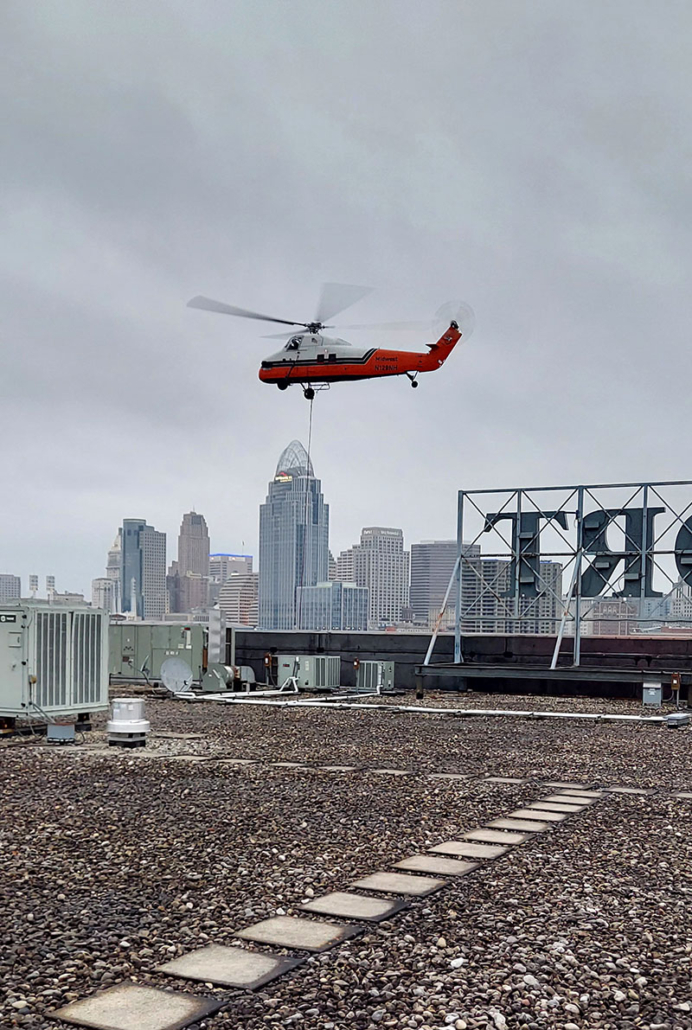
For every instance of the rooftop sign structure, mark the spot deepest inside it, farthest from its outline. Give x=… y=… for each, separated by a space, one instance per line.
x=605 y=559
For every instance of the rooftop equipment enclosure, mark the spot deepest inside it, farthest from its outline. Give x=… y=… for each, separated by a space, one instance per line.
x=312 y=672
x=53 y=660
x=139 y=649
x=374 y=677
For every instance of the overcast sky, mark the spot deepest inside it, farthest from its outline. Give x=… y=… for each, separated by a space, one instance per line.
x=531 y=158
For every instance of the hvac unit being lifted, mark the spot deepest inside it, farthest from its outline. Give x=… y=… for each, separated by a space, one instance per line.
x=53 y=660
x=312 y=672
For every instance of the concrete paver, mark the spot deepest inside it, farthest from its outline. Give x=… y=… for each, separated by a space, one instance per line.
x=592 y=795
x=433 y=864
x=469 y=849
x=540 y=815
x=448 y=776
x=173 y=735
x=390 y=772
x=496 y=836
x=129 y=1006
x=230 y=967
x=557 y=806
x=578 y=800
x=354 y=906
x=566 y=786
x=523 y=825
x=183 y=758
x=504 y=779
x=629 y=790
x=400 y=883
x=295 y=932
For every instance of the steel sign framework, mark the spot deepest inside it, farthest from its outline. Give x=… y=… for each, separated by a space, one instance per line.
x=570 y=560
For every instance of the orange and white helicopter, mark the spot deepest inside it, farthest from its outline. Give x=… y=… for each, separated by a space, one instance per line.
x=312 y=359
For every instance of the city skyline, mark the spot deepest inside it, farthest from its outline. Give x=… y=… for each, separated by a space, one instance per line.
x=381 y=567
x=328 y=605
x=569 y=243
x=172 y=523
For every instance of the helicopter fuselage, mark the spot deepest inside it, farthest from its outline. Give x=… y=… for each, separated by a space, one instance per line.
x=315 y=358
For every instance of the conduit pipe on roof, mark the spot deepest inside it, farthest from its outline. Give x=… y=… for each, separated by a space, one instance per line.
x=247 y=697
x=462 y=712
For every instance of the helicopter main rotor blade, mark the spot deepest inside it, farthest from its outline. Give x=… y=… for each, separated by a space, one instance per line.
x=206 y=304
x=280 y=336
x=393 y=327
x=336 y=297
x=455 y=311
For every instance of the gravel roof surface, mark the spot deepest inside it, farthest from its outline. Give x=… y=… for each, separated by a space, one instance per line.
x=112 y=862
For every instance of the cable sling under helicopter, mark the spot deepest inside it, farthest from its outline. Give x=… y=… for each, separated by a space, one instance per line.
x=306 y=535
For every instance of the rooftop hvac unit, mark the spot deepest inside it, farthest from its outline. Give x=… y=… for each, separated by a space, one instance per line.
x=138 y=650
x=312 y=672
x=53 y=660
x=374 y=677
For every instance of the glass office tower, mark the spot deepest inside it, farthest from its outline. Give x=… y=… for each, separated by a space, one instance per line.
x=143 y=570
x=293 y=539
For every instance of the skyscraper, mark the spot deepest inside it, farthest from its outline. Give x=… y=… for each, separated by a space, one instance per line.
x=238 y=599
x=10 y=587
x=344 y=566
x=102 y=593
x=191 y=588
x=222 y=566
x=114 y=569
x=173 y=591
x=333 y=606
x=293 y=538
x=432 y=564
x=381 y=564
x=143 y=570
x=488 y=603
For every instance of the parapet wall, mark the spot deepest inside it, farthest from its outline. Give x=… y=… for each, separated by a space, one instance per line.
x=671 y=654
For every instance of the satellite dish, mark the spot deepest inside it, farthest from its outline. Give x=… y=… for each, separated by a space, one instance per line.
x=176 y=676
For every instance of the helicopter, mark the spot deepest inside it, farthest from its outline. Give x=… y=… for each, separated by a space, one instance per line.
x=312 y=359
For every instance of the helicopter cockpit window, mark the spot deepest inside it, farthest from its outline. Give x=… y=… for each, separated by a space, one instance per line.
x=293 y=344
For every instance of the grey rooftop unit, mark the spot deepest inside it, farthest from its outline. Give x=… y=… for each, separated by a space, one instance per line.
x=374 y=677
x=312 y=672
x=53 y=660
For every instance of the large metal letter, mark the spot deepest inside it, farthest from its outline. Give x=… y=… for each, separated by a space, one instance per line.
x=595 y=579
x=526 y=545
x=683 y=551
x=634 y=534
